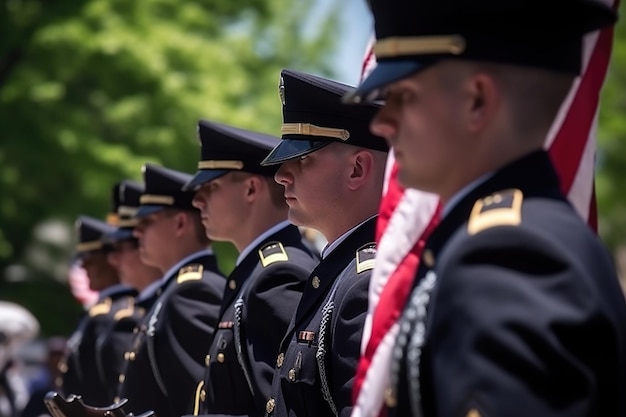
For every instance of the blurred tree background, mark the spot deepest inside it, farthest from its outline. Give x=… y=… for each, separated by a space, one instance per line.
x=92 y=89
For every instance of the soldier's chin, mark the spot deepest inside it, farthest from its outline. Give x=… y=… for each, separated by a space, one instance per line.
x=407 y=179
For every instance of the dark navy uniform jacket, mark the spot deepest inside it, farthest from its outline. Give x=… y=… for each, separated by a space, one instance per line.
x=262 y=294
x=524 y=312
x=166 y=358
x=96 y=349
x=317 y=360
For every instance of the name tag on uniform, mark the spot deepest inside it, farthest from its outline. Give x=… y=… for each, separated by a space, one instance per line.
x=306 y=336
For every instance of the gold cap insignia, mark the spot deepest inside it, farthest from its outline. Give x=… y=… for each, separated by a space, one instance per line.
x=281 y=90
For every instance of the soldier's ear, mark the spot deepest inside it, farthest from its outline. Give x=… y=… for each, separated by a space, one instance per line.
x=485 y=95
x=361 y=163
x=181 y=220
x=253 y=186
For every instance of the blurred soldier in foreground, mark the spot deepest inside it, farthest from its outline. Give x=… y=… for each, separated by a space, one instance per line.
x=332 y=171
x=516 y=310
x=166 y=359
x=240 y=203
x=91 y=352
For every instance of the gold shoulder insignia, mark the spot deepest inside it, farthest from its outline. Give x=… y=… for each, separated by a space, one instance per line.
x=503 y=208
x=127 y=311
x=103 y=307
x=365 y=257
x=191 y=272
x=272 y=252
x=473 y=413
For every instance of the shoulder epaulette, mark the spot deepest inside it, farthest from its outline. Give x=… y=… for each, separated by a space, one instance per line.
x=102 y=307
x=191 y=272
x=503 y=208
x=127 y=311
x=365 y=257
x=272 y=252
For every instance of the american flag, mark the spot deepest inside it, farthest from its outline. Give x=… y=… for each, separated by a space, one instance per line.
x=406 y=217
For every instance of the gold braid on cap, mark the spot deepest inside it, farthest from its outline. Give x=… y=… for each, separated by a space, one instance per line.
x=89 y=246
x=308 y=129
x=419 y=45
x=216 y=164
x=165 y=200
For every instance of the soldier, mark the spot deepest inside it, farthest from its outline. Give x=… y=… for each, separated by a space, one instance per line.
x=124 y=254
x=166 y=359
x=516 y=310
x=90 y=353
x=332 y=171
x=240 y=203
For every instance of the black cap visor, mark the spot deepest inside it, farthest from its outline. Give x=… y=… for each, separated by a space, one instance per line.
x=385 y=73
x=148 y=210
x=123 y=233
x=202 y=177
x=291 y=148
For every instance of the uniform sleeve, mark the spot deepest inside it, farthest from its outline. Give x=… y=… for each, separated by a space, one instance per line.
x=511 y=322
x=184 y=338
x=350 y=312
x=271 y=305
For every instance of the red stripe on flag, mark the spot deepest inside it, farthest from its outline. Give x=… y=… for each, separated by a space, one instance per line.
x=394 y=294
x=569 y=144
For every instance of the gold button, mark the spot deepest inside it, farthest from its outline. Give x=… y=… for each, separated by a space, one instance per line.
x=292 y=375
x=280 y=359
x=116 y=400
x=232 y=284
x=269 y=406
x=126 y=355
x=220 y=357
x=207 y=360
x=315 y=282
x=63 y=367
x=136 y=330
x=429 y=258
x=202 y=395
x=122 y=378
x=132 y=356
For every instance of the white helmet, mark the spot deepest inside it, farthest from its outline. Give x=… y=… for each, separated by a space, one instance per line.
x=17 y=327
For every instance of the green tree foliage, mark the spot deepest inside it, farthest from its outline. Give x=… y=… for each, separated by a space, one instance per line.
x=611 y=180
x=92 y=89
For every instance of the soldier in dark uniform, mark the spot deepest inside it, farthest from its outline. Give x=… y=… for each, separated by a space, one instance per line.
x=332 y=171
x=166 y=359
x=240 y=202
x=91 y=351
x=124 y=253
x=516 y=309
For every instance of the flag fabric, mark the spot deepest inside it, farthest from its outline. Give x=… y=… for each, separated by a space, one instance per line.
x=407 y=216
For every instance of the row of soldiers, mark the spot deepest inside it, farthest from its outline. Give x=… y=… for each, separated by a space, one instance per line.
x=280 y=335
x=515 y=309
